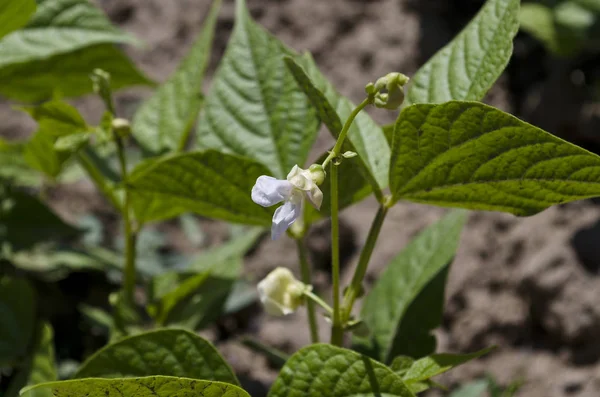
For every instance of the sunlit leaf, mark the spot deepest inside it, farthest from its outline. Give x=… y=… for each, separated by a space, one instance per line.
x=14 y=14
x=470 y=155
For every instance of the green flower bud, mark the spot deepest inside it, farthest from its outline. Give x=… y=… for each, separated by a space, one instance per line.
x=121 y=127
x=394 y=84
x=317 y=173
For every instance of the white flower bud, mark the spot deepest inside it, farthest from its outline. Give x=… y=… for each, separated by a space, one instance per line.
x=281 y=293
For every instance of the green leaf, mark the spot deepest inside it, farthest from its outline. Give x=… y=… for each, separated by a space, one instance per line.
x=210 y=183
x=468 y=66
x=72 y=143
x=170 y=352
x=40 y=154
x=21 y=213
x=150 y=386
x=385 y=307
x=14 y=14
x=325 y=370
x=255 y=108
x=364 y=137
x=17 y=308
x=57 y=118
x=436 y=364
x=39 y=366
x=40 y=80
x=59 y=27
x=164 y=121
x=470 y=155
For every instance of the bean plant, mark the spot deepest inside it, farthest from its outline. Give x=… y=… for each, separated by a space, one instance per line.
x=246 y=164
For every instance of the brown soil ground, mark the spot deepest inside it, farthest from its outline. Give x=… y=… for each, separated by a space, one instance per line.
x=528 y=285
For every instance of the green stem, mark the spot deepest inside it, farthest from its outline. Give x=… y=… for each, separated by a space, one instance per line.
x=129 y=273
x=96 y=176
x=335 y=152
x=316 y=299
x=337 y=330
x=355 y=287
x=307 y=279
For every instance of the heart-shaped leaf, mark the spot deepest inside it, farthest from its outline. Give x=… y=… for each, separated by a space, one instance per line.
x=470 y=155
x=255 y=108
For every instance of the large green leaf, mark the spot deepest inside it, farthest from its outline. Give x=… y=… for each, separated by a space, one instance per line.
x=386 y=305
x=39 y=366
x=26 y=221
x=165 y=120
x=59 y=27
x=17 y=317
x=209 y=183
x=68 y=74
x=14 y=14
x=364 y=137
x=468 y=66
x=255 y=108
x=467 y=154
x=150 y=386
x=325 y=370
x=170 y=352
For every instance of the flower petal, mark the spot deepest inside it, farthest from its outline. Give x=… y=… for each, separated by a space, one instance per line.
x=315 y=197
x=284 y=216
x=268 y=191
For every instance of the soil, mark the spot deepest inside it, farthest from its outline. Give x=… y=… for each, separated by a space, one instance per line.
x=531 y=285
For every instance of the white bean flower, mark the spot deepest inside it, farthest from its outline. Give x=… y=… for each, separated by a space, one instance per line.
x=281 y=293
x=299 y=186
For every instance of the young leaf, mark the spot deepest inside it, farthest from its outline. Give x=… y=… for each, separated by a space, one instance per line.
x=21 y=213
x=17 y=304
x=14 y=14
x=170 y=352
x=164 y=121
x=470 y=155
x=150 y=386
x=40 y=80
x=39 y=366
x=57 y=118
x=59 y=27
x=468 y=66
x=364 y=137
x=255 y=108
x=385 y=307
x=209 y=183
x=325 y=370
x=40 y=154
x=436 y=364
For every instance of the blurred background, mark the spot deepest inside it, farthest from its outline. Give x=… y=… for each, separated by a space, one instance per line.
x=531 y=286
